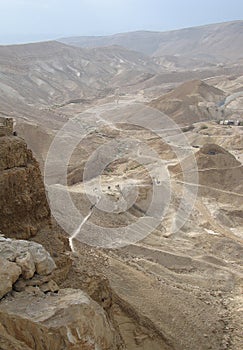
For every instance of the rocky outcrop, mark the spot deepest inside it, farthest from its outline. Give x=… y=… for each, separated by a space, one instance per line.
x=25 y=259
x=7 y=342
x=6 y=126
x=37 y=314
x=34 y=312
x=23 y=204
x=9 y=273
x=66 y=320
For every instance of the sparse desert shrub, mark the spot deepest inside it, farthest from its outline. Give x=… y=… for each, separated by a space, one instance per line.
x=188 y=128
x=204 y=127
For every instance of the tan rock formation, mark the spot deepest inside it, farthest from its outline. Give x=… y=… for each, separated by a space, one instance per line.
x=9 y=273
x=7 y=342
x=29 y=256
x=23 y=205
x=6 y=126
x=23 y=258
x=67 y=320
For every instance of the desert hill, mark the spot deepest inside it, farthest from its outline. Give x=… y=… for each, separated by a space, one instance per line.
x=218 y=168
x=51 y=74
x=47 y=82
x=190 y=102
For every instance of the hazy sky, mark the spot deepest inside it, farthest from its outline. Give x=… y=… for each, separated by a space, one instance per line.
x=33 y=20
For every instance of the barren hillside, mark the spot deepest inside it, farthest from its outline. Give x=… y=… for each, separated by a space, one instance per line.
x=142 y=246
x=191 y=102
x=48 y=75
x=211 y=43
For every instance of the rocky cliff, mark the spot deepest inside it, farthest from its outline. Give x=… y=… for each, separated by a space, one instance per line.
x=40 y=308
x=23 y=204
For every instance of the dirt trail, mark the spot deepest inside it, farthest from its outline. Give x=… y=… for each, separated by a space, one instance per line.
x=208 y=169
x=210 y=188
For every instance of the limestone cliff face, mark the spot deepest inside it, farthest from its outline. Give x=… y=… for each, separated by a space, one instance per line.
x=35 y=313
x=23 y=204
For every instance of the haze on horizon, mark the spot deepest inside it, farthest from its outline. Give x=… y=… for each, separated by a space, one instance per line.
x=28 y=21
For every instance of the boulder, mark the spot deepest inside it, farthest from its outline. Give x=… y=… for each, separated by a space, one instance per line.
x=67 y=320
x=24 y=259
x=44 y=264
x=30 y=256
x=9 y=273
x=27 y=264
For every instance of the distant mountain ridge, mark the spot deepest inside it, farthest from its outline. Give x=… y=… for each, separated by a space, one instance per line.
x=214 y=42
x=52 y=74
x=47 y=81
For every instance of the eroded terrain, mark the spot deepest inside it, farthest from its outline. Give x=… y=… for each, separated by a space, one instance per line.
x=131 y=128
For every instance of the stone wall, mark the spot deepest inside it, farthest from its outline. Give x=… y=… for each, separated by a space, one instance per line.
x=6 y=126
